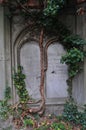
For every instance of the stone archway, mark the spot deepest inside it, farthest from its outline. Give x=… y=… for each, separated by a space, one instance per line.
x=41 y=61
x=56 y=75
x=30 y=60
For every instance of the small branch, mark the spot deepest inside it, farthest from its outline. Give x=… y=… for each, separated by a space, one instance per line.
x=15 y=106
x=34 y=102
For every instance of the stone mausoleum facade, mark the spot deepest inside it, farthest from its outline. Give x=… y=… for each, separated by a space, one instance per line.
x=19 y=45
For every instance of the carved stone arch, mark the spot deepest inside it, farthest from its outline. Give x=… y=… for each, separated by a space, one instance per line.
x=28 y=40
x=60 y=74
x=44 y=43
x=36 y=35
x=26 y=37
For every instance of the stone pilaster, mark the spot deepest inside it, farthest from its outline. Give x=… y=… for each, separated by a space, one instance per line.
x=2 y=54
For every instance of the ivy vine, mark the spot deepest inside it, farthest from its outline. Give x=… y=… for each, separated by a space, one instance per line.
x=19 y=83
x=53 y=7
x=4 y=105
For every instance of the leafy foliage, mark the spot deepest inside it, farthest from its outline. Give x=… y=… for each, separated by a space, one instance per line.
x=19 y=83
x=4 y=106
x=28 y=122
x=74 y=41
x=73 y=58
x=53 y=6
x=53 y=124
x=72 y=114
x=58 y=126
x=7 y=93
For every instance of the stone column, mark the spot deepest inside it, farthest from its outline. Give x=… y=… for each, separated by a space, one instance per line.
x=8 y=54
x=81 y=30
x=78 y=82
x=2 y=54
x=84 y=35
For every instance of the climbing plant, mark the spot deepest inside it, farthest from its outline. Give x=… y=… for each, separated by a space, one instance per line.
x=53 y=7
x=19 y=83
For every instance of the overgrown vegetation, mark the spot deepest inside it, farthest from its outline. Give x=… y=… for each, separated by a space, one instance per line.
x=20 y=85
x=17 y=110
x=74 y=116
x=70 y=118
x=4 y=105
x=53 y=7
x=73 y=59
x=46 y=19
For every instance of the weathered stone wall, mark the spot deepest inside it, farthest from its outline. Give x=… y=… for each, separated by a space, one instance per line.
x=16 y=47
x=76 y=23
x=2 y=54
x=27 y=53
x=5 y=53
x=79 y=88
